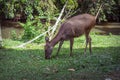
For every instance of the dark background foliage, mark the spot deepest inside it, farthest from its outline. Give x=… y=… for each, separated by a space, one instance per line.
x=11 y=9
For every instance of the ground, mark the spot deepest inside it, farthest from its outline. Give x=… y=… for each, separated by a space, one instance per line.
x=28 y=63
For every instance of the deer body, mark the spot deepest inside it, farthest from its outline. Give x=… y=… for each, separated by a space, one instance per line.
x=71 y=28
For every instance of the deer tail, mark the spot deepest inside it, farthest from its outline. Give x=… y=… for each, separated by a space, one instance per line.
x=98 y=11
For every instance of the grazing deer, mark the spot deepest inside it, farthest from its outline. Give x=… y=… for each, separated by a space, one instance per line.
x=71 y=28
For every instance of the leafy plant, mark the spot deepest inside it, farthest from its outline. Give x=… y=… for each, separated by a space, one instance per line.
x=14 y=35
x=32 y=28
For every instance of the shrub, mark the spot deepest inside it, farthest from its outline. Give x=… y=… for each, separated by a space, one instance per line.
x=32 y=28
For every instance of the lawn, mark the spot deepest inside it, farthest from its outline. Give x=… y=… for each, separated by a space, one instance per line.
x=29 y=64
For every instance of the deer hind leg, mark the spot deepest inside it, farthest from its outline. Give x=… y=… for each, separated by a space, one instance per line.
x=71 y=45
x=60 y=44
x=86 y=45
x=90 y=49
x=88 y=41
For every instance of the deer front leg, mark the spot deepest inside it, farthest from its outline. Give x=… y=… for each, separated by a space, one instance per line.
x=71 y=45
x=60 y=44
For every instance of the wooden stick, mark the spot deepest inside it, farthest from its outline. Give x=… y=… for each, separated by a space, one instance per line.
x=98 y=11
x=58 y=20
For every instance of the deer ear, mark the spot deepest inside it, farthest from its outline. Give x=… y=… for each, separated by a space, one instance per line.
x=46 y=39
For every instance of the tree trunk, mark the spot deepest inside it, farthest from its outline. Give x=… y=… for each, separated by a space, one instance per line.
x=0 y=36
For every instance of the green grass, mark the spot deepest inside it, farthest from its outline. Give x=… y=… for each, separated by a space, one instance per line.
x=29 y=63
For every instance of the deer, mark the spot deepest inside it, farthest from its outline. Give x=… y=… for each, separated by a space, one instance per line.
x=70 y=29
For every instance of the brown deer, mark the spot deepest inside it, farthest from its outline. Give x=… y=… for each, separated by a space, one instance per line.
x=71 y=28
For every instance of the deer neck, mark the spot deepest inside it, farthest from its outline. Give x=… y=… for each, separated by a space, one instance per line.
x=55 y=40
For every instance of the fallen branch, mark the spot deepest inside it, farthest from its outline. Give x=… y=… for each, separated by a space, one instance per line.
x=58 y=20
x=22 y=45
x=70 y=13
x=99 y=11
x=52 y=28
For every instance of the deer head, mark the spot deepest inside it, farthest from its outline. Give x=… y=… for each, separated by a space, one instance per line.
x=48 y=48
